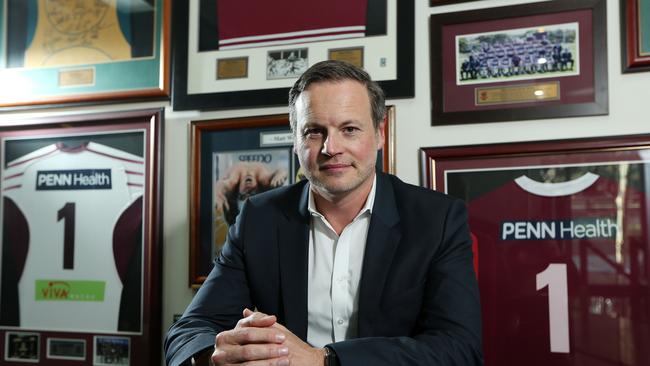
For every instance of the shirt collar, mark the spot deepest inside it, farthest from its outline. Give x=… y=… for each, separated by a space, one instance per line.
x=370 y=201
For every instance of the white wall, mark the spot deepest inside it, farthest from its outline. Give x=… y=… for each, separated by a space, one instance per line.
x=628 y=115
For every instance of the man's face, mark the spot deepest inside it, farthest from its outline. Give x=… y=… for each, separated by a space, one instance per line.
x=336 y=141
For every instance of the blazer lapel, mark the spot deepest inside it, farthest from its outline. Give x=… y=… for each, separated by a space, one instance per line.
x=381 y=244
x=293 y=242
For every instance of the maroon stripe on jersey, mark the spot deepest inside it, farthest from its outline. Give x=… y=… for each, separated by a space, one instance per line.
x=297 y=38
x=12 y=187
x=18 y=236
x=134 y=173
x=114 y=157
x=273 y=17
x=13 y=176
x=127 y=237
x=11 y=165
x=135 y=185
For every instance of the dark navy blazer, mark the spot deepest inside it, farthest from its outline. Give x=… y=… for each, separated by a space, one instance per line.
x=418 y=296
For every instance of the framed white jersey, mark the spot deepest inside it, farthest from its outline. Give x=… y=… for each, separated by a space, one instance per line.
x=80 y=237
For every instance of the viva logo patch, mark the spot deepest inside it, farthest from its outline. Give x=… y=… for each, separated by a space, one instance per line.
x=69 y=290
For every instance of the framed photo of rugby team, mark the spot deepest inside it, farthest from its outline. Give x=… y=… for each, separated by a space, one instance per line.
x=233 y=159
x=227 y=56
x=635 y=35
x=530 y=61
x=108 y=51
x=81 y=239
x=560 y=239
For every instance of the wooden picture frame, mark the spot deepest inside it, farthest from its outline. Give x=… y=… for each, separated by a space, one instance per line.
x=520 y=62
x=208 y=77
x=635 y=35
x=588 y=198
x=82 y=232
x=114 y=51
x=217 y=146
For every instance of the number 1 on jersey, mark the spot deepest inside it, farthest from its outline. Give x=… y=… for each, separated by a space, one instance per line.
x=67 y=214
x=555 y=277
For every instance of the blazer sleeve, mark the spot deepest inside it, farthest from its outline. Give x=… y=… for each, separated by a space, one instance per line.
x=448 y=330
x=218 y=304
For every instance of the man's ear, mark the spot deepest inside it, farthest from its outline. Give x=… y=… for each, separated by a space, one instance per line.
x=381 y=135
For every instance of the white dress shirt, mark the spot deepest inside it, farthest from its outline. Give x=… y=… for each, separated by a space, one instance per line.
x=335 y=264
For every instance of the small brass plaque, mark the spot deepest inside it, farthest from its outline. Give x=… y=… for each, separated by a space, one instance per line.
x=350 y=55
x=517 y=93
x=77 y=77
x=232 y=68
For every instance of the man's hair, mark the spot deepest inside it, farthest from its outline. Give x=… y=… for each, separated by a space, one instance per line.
x=336 y=71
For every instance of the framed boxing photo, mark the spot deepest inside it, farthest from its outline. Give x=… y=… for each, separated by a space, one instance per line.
x=635 y=35
x=530 y=61
x=233 y=159
x=560 y=237
x=71 y=52
x=81 y=232
x=229 y=56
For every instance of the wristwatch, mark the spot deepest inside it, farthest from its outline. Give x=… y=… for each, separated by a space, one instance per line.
x=330 y=357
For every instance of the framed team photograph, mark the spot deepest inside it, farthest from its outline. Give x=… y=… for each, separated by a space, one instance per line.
x=66 y=349
x=109 y=50
x=81 y=230
x=111 y=351
x=635 y=35
x=559 y=234
x=530 y=61
x=22 y=347
x=295 y=35
x=234 y=159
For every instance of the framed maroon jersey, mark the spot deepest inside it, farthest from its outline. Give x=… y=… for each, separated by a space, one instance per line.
x=563 y=254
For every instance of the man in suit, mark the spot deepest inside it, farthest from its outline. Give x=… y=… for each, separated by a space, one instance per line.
x=350 y=267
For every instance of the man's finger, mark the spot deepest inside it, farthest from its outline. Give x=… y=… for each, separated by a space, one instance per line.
x=256 y=319
x=249 y=335
x=248 y=353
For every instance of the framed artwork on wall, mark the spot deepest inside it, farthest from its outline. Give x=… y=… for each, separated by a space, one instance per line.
x=233 y=159
x=222 y=59
x=530 y=61
x=635 y=35
x=108 y=51
x=559 y=233
x=81 y=238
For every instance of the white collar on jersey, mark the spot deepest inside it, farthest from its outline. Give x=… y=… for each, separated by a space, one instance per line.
x=556 y=189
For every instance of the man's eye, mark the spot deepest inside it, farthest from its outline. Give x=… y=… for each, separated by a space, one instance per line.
x=350 y=129
x=312 y=132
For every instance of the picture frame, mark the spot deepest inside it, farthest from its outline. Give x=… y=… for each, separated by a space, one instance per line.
x=264 y=146
x=92 y=184
x=541 y=289
x=520 y=62
x=246 y=79
x=116 y=51
x=635 y=35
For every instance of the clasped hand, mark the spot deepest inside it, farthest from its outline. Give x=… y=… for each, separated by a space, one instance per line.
x=259 y=340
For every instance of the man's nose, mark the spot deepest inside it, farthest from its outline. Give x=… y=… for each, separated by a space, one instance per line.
x=331 y=145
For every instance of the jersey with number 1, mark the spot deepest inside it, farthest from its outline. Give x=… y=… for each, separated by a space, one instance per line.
x=71 y=200
x=592 y=227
